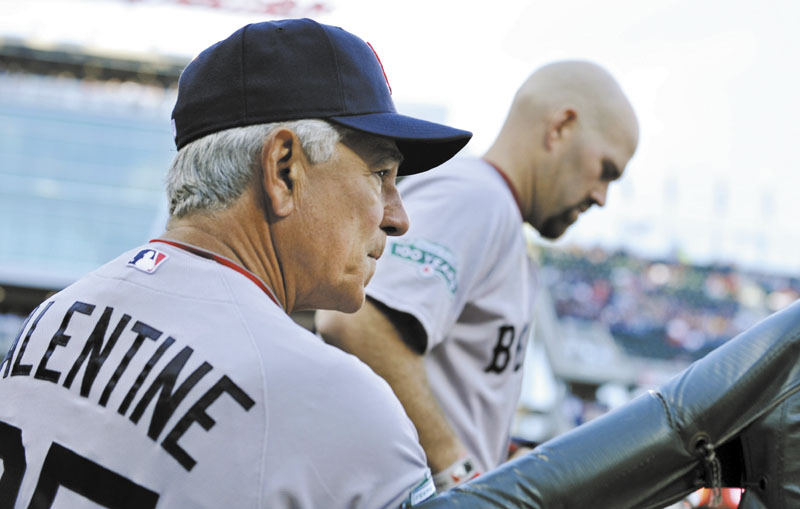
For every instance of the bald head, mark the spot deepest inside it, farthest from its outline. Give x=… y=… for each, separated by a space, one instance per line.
x=569 y=133
x=582 y=86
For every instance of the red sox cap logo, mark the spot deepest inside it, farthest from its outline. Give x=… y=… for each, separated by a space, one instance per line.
x=383 y=70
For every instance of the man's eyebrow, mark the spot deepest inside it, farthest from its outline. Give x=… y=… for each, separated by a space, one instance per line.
x=387 y=156
x=610 y=170
x=374 y=150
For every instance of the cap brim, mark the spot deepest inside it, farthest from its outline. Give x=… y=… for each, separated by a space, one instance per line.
x=424 y=144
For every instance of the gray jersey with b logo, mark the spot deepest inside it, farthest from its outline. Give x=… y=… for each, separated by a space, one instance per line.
x=463 y=271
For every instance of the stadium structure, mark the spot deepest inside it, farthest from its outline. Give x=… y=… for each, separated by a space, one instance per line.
x=84 y=143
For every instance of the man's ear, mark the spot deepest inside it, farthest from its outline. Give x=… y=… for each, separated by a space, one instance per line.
x=281 y=162
x=559 y=126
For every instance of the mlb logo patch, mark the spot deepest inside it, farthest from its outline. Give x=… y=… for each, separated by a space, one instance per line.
x=147 y=260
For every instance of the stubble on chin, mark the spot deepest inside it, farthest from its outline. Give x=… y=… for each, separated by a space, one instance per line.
x=554 y=227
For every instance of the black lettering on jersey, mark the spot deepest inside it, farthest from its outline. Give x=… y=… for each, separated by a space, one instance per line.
x=95 y=351
x=64 y=467
x=10 y=353
x=168 y=401
x=25 y=369
x=144 y=331
x=519 y=355
x=502 y=350
x=12 y=457
x=60 y=339
x=123 y=408
x=198 y=414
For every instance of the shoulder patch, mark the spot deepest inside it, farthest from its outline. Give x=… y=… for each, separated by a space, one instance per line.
x=432 y=259
x=148 y=260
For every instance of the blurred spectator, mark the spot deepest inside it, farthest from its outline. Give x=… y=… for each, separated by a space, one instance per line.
x=662 y=308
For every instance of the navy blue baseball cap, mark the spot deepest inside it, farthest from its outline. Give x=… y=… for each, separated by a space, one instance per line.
x=295 y=69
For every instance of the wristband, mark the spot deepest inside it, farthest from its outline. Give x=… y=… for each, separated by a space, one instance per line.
x=459 y=472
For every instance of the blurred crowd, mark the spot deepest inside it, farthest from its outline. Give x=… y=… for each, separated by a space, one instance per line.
x=667 y=308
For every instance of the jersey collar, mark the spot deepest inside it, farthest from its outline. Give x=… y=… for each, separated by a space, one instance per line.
x=222 y=261
x=509 y=184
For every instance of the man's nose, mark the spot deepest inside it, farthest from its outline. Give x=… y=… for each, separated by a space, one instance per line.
x=599 y=193
x=395 y=220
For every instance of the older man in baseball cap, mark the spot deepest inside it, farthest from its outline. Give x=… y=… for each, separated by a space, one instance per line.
x=183 y=381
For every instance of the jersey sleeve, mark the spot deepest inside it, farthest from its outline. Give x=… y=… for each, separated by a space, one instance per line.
x=459 y=228
x=349 y=431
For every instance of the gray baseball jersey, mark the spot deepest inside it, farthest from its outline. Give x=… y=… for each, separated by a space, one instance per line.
x=463 y=271
x=170 y=378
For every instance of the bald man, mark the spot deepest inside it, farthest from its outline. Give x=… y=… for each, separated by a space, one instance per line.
x=449 y=310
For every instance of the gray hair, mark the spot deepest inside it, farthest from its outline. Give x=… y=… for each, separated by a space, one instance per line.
x=212 y=172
